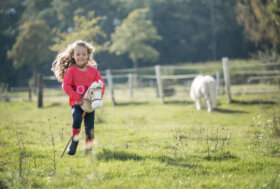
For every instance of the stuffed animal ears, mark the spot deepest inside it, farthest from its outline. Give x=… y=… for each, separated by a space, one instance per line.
x=100 y=83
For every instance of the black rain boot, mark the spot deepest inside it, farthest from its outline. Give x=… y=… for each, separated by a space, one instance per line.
x=73 y=147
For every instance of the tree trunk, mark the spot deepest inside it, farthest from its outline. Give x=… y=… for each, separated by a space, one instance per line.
x=135 y=66
x=32 y=80
x=274 y=53
x=213 y=35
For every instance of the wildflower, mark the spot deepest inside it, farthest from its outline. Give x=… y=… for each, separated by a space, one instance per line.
x=178 y=137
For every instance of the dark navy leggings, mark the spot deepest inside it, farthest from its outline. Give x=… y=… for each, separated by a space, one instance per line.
x=88 y=121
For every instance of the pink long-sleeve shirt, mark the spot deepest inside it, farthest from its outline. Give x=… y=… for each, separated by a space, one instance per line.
x=76 y=82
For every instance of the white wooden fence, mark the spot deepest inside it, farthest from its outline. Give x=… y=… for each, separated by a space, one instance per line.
x=253 y=72
x=158 y=77
x=229 y=77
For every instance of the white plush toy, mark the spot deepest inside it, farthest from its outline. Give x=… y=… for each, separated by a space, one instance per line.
x=204 y=86
x=92 y=98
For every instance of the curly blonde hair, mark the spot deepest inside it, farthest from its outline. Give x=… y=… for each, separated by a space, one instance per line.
x=64 y=59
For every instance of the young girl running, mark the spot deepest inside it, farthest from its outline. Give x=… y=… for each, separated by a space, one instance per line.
x=75 y=68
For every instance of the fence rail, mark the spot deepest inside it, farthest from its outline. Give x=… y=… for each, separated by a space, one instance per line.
x=262 y=72
x=263 y=78
x=255 y=65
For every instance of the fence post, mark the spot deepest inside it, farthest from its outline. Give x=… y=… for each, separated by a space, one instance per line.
x=159 y=84
x=110 y=85
x=218 y=83
x=226 y=78
x=40 y=91
x=30 y=94
x=130 y=83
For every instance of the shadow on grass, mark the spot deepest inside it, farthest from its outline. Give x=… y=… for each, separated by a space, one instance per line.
x=182 y=164
x=179 y=162
x=253 y=102
x=222 y=156
x=227 y=111
x=108 y=155
x=3 y=184
x=130 y=103
x=52 y=105
x=183 y=102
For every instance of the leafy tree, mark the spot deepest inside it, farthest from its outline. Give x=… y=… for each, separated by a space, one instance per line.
x=65 y=12
x=258 y=23
x=33 y=9
x=31 y=46
x=274 y=9
x=182 y=25
x=198 y=30
x=133 y=37
x=40 y=10
x=85 y=29
x=229 y=34
x=10 y=13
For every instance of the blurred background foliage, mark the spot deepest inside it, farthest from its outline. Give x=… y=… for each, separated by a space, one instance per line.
x=131 y=33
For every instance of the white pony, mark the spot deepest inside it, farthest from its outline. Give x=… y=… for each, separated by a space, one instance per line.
x=204 y=86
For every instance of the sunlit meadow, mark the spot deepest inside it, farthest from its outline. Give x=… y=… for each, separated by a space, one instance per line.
x=144 y=144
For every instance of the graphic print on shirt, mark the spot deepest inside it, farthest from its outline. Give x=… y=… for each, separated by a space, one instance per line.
x=80 y=90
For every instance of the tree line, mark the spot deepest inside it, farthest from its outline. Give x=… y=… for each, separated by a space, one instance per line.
x=132 y=33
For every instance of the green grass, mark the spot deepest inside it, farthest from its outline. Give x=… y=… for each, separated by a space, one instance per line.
x=144 y=144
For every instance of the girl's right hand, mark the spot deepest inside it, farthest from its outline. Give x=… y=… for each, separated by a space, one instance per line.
x=80 y=103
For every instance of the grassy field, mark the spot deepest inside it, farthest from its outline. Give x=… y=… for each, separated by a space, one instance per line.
x=144 y=144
